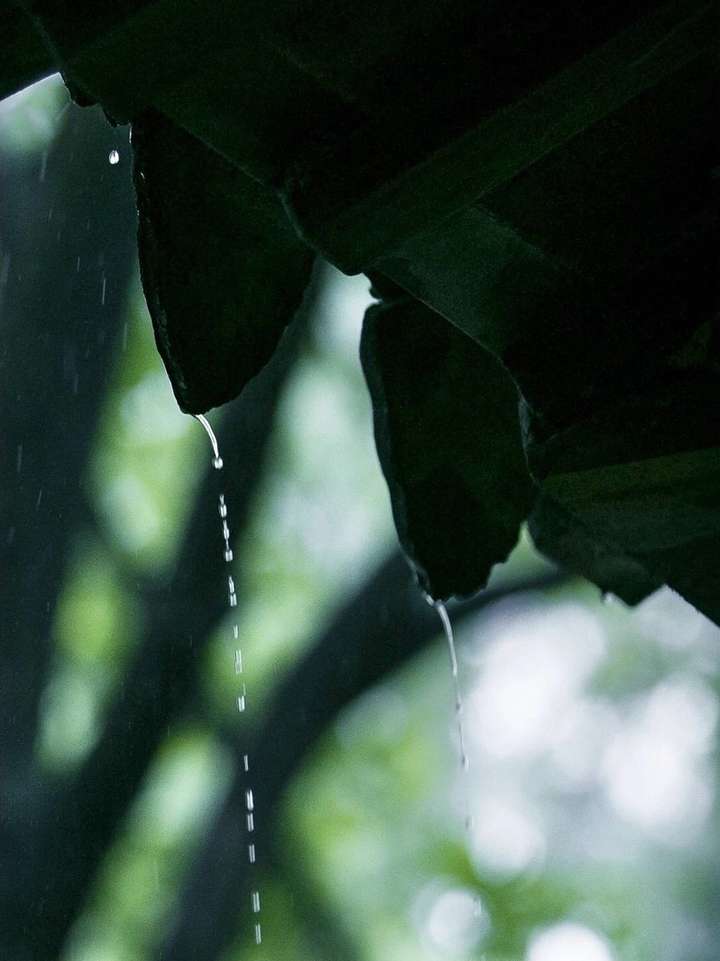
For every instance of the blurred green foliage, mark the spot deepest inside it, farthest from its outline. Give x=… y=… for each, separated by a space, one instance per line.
x=591 y=728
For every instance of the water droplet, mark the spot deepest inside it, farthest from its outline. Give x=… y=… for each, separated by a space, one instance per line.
x=246 y=763
x=19 y=458
x=236 y=631
x=251 y=823
x=233 y=600
x=258 y=934
x=217 y=463
x=256 y=902
x=251 y=853
x=249 y=800
x=241 y=701
x=103 y=291
x=238 y=662
x=114 y=157
x=225 y=531
x=228 y=555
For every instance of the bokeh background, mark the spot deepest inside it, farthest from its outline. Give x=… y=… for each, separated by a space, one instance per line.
x=591 y=729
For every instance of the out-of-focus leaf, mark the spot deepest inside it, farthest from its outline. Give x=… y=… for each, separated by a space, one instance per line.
x=642 y=480
x=448 y=438
x=222 y=268
x=560 y=535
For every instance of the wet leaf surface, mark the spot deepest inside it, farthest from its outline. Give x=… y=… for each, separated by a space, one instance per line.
x=448 y=437
x=223 y=270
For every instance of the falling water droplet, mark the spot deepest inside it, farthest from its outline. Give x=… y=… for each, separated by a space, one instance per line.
x=217 y=463
x=114 y=157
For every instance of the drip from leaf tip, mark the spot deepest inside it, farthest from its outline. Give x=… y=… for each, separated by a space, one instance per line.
x=217 y=459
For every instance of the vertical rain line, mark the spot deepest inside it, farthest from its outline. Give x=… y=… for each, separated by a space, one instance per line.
x=459 y=706
x=241 y=697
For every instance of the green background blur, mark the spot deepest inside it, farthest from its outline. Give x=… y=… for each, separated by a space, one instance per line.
x=591 y=729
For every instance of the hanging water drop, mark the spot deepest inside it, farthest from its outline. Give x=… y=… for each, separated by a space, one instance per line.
x=217 y=461
x=114 y=157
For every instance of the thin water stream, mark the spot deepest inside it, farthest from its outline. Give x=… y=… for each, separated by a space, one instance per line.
x=459 y=706
x=217 y=463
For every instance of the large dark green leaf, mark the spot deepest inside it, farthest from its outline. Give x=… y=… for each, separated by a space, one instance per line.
x=641 y=479
x=560 y=535
x=448 y=437
x=222 y=268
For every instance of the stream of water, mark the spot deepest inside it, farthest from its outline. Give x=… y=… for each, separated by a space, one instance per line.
x=217 y=463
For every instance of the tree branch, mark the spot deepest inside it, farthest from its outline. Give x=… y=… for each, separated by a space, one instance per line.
x=377 y=631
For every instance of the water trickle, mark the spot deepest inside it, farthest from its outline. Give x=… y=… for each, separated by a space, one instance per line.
x=241 y=697
x=459 y=707
x=468 y=822
x=114 y=157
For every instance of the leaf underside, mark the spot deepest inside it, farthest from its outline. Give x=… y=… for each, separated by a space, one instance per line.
x=222 y=269
x=448 y=437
